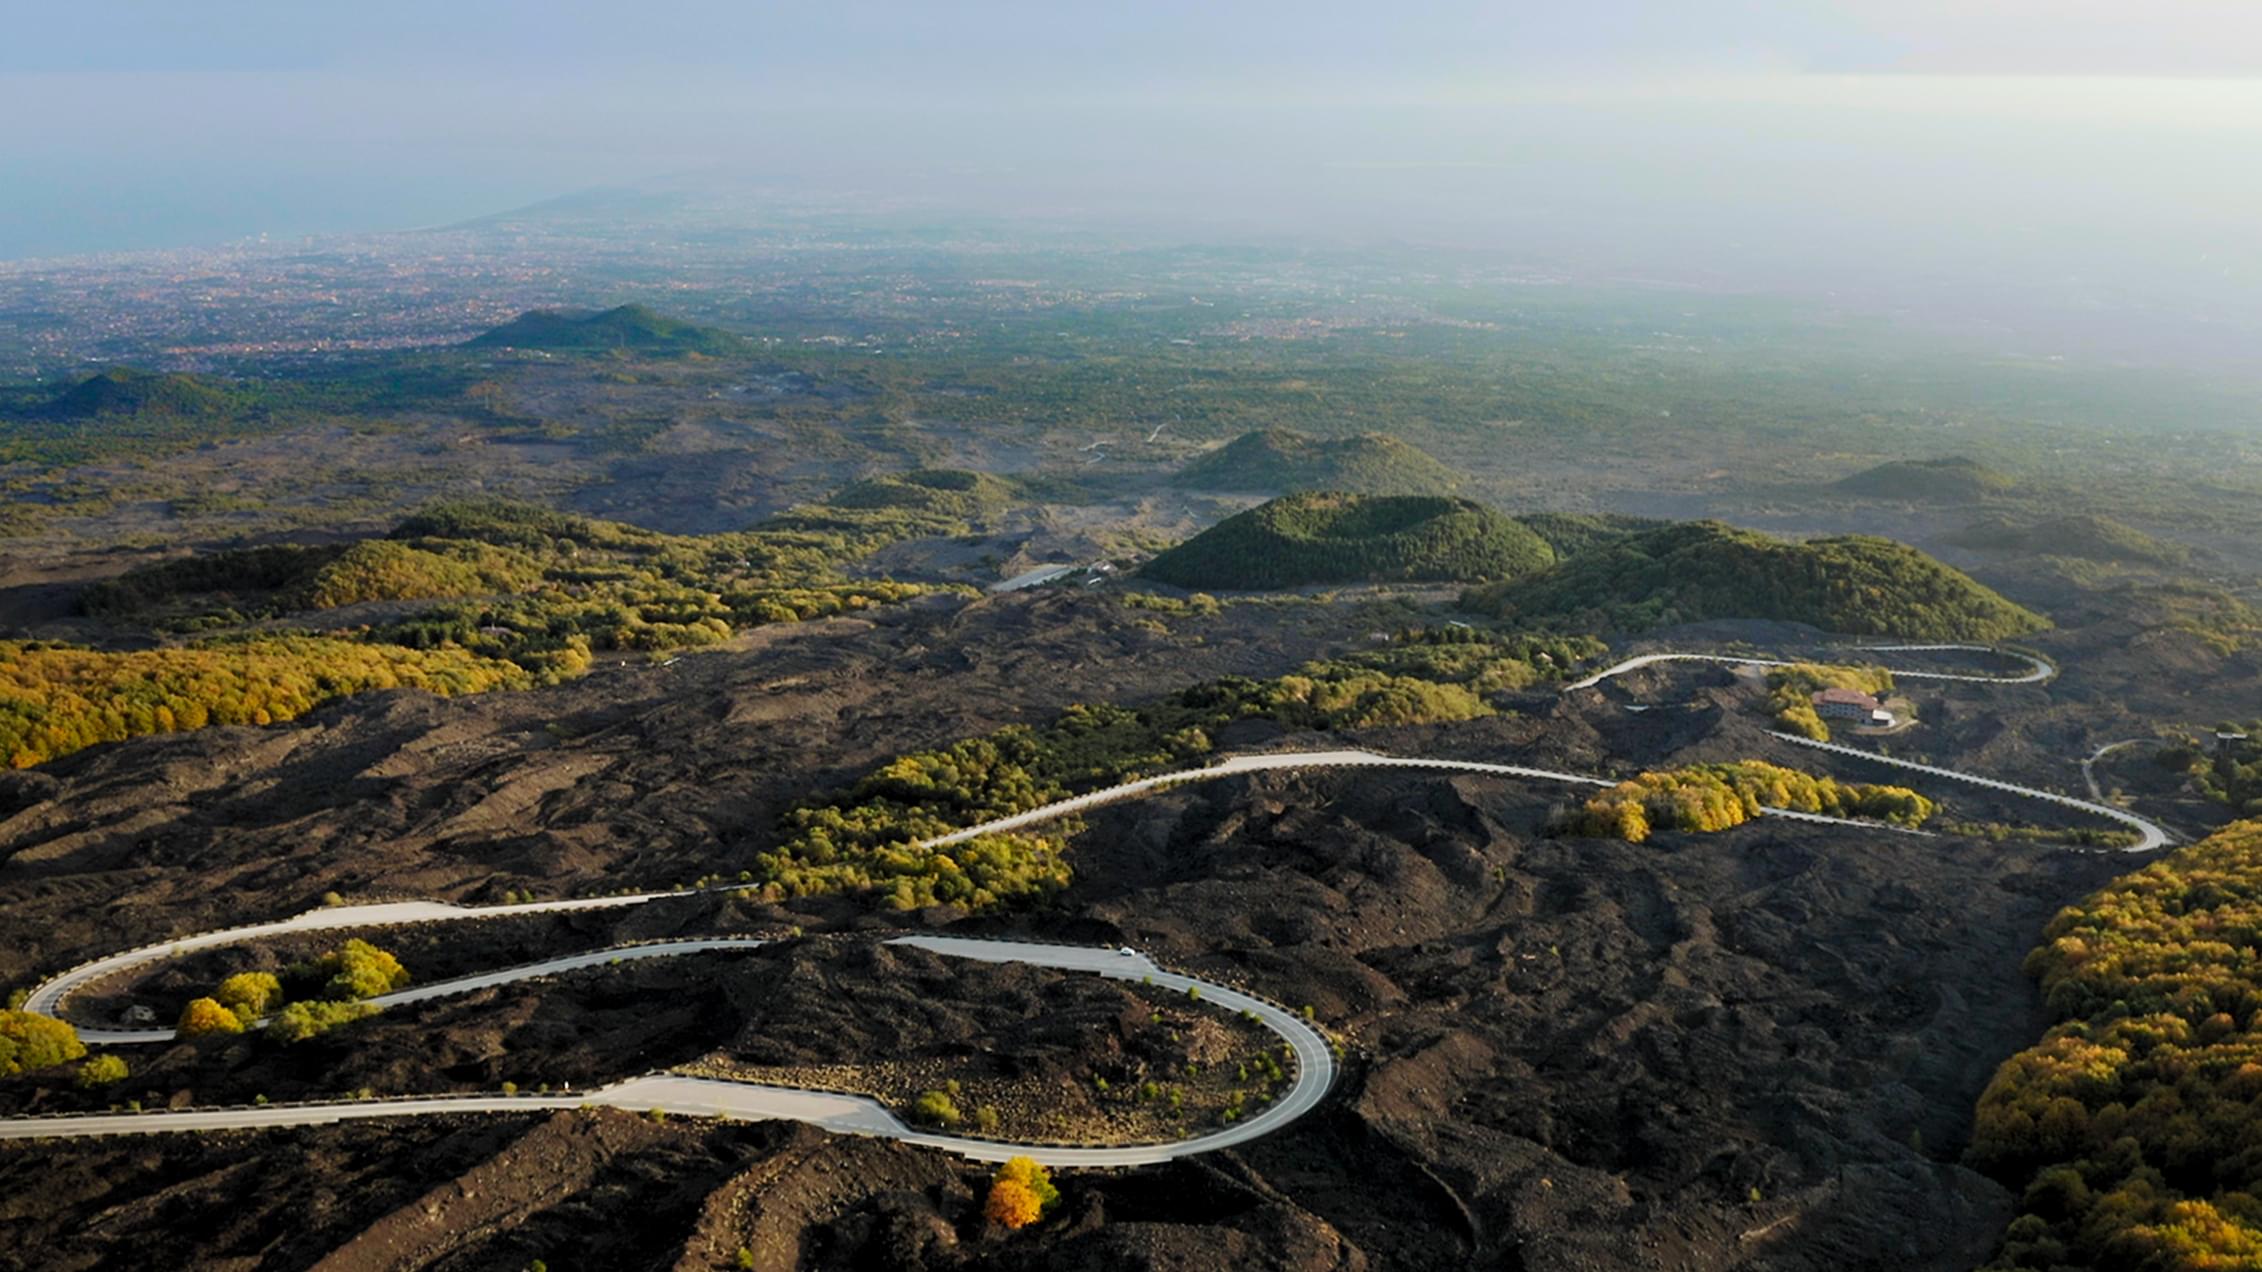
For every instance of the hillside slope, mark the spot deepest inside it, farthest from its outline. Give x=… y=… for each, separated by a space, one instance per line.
x=130 y=391
x=2083 y=535
x=1954 y=477
x=1279 y=460
x=1704 y=570
x=1331 y=537
x=629 y=328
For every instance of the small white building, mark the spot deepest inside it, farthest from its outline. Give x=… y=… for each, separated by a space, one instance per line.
x=1851 y=704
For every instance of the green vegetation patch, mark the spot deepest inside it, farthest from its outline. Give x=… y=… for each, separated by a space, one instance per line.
x=1279 y=460
x=2083 y=536
x=1340 y=538
x=1954 y=477
x=866 y=838
x=1791 y=690
x=2130 y=1131
x=625 y=329
x=2226 y=771
x=1571 y=533
x=922 y=503
x=125 y=411
x=279 y=579
x=309 y=999
x=130 y=391
x=1701 y=570
x=1712 y=797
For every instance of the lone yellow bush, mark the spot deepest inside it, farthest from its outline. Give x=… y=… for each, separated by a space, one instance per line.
x=361 y=970
x=206 y=1016
x=250 y=994
x=101 y=1071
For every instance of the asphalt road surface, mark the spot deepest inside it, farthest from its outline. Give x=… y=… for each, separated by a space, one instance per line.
x=1315 y=1068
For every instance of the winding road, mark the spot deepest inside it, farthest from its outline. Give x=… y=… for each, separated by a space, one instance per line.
x=2089 y=762
x=2037 y=670
x=690 y=1096
x=1315 y=1067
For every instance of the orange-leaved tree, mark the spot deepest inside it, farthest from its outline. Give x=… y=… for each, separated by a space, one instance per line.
x=1012 y=1205
x=1021 y=1193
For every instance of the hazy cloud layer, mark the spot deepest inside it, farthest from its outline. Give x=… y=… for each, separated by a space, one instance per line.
x=2071 y=155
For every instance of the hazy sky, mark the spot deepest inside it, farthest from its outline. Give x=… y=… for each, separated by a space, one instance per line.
x=2094 y=147
x=977 y=47
x=165 y=122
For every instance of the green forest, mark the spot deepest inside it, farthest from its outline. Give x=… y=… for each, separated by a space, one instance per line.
x=1340 y=538
x=2132 y=1133
x=1701 y=570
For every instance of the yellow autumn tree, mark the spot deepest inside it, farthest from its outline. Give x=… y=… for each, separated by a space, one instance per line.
x=207 y=1016
x=1011 y=1204
x=250 y=994
x=1021 y=1193
x=361 y=970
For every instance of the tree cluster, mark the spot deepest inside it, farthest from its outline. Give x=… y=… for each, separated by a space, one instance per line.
x=530 y=595
x=56 y=699
x=1712 y=797
x=308 y=999
x=2228 y=773
x=2133 y=1131
x=30 y=1041
x=311 y=1018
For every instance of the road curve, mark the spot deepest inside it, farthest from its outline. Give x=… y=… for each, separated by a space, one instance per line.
x=2151 y=835
x=2089 y=763
x=2037 y=670
x=1327 y=759
x=47 y=998
x=1314 y=1070
x=849 y=1114
x=858 y=1115
x=467 y=984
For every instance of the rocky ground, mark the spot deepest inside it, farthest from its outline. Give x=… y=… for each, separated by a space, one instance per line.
x=1754 y=1050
